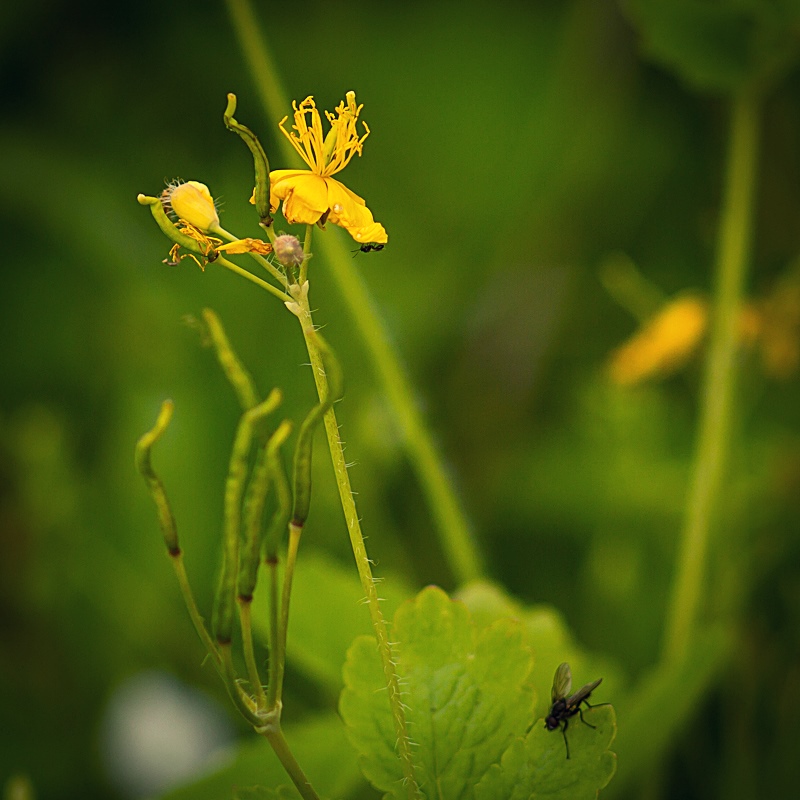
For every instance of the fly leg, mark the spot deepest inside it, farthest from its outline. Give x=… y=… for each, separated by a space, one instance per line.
x=580 y=714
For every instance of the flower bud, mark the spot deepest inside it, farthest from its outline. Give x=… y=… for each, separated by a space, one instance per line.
x=191 y=202
x=288 y=250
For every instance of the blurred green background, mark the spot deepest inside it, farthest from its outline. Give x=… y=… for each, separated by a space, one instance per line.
x=515 y=148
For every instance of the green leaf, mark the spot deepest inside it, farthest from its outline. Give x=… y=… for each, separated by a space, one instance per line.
x=537 y=766
x=465 y=693
x=327 y=613
x=319 y=747
x=262 y=793
x=721 y=45
x=548 y=636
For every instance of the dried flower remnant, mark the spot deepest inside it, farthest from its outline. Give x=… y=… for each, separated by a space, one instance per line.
x=312 y=196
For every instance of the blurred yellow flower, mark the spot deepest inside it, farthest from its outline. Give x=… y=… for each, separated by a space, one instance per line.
x=663 y=344
x=311 y=195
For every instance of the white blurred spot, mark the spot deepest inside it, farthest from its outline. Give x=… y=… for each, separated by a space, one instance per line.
x=157 y=732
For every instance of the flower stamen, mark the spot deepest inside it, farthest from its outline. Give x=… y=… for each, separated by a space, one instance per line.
x=326 y=155
x=313 y=196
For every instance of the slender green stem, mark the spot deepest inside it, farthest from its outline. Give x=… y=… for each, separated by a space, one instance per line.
x=194 y=612
x=456 y=539
x=307 y=251
x=239 y=378
x=279 y=744
x=275 y=671
x=245 y=622
x=453 y=528
x=359 y=549
x=259 y=259
x=241 y=700
x=169 y=528
x=283 y=626
x=223 y=262
x=719 y=380
x=277 y=635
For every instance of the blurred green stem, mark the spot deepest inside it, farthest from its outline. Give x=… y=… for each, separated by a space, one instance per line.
x=719 y=380
x=461 y=552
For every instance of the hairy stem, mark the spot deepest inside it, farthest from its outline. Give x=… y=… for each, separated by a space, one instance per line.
x=359 y=551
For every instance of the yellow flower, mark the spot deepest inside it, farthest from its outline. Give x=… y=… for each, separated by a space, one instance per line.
x=663 y=344
x=669 y=339
x=191 y=201
x=311 y=195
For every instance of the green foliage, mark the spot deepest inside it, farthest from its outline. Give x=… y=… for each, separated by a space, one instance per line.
x=508 y=157
x=719 y=46
x=261 y=793
x=537 y=767
x=467 y=694
x=548 y=636
x=327 y=614
x=319 y=746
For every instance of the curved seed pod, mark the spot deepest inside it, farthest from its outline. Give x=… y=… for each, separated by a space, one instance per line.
x=166 y=519
x=260 y=161
x=239 y=378
x=263 y=477
x=234 y=489
x=169 y=228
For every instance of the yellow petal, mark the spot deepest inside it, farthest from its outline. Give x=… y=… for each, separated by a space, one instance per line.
x=192 y=202
x=304 y=195
x=247 y=245
x=373 y=233
x=349 y=211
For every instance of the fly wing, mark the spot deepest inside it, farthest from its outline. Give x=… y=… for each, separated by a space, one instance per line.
x=562 y=682
x=582 y=693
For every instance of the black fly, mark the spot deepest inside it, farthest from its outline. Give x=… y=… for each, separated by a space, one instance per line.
x=566 y=705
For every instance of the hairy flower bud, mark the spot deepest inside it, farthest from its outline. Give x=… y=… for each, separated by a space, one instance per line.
x=191 y=202
x=288 y=250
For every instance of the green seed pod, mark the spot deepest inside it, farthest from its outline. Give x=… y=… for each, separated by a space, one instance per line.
x=260 y=161
x=234 y=489
x=168 y=227
x=166 y=519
